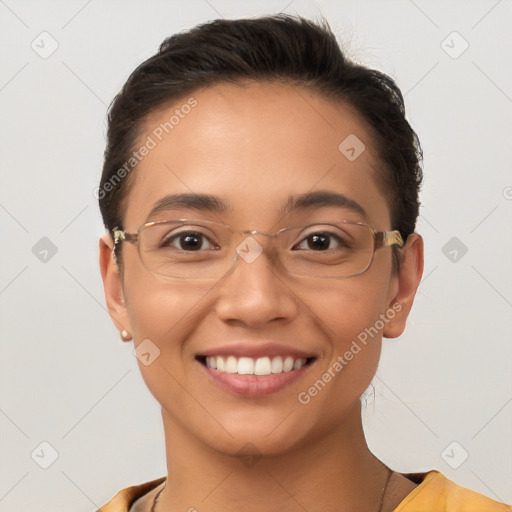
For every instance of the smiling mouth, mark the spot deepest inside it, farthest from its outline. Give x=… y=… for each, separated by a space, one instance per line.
x=254 y=366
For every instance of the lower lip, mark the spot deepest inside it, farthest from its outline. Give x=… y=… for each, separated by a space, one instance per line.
x=254 y=385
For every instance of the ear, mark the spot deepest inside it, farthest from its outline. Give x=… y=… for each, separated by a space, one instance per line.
x=113 y=285
x=406 y=284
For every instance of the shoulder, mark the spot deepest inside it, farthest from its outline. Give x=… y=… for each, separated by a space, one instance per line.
x=124 y=499
x=436 y=492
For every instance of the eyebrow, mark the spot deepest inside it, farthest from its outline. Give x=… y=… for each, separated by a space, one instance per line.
x=322 y=199
x=210 y=203
x=199 y=202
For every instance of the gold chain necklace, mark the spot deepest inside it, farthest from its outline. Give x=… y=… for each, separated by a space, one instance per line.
x=381 y=503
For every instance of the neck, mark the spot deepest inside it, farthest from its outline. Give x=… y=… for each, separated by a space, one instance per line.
x=336 y=472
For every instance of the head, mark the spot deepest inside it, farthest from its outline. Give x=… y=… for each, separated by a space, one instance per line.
x=241 y=119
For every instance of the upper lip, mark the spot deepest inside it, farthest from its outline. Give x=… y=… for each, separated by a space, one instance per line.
x=255 y=351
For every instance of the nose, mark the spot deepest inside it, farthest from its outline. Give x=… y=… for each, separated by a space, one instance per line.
x=254 y=293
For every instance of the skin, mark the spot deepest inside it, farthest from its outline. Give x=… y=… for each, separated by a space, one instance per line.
x=253 y=147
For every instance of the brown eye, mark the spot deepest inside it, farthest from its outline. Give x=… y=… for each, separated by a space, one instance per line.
x=188 y=241
x=321 y=241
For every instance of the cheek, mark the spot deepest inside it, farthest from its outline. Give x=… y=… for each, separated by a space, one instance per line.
x=156 y=306
x=164 y=312
x=345 y=309
x=349 y=316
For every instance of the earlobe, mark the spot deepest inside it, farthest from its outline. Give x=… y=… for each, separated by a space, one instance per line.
x=113 y=287
x=407 y=282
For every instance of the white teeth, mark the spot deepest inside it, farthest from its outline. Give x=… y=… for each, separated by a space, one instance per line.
x=231 y=365
x=299 y=363
x=288 y=364
x=245 y=366
x=259 y=366
x=277 y=365
x=262 y=366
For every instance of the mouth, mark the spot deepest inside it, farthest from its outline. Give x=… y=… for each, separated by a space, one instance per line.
x=260 y=366
x=252 y=369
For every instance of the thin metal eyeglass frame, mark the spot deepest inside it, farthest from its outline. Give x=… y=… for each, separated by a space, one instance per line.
x=380 y=239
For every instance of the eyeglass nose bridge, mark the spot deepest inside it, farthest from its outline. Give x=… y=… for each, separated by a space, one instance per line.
x=255 y=232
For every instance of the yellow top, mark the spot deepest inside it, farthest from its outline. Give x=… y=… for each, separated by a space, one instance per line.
x=435 y=493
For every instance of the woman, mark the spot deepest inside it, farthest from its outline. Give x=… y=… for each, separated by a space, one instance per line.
x=260 y=193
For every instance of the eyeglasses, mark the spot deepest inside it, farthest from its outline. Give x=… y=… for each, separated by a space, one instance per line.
x=201 y=249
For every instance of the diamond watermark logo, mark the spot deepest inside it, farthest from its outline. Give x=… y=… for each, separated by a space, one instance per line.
x=351 y=147
x=249 y=455
x=454 y=249
x=146 y=352
x=249 y=249
x=44 y=250
x=44 y=455
x=44 y=45
x=454 y=45
x=454 y=455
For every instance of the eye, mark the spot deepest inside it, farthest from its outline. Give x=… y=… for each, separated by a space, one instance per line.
x=322 y=241
x=191 y=241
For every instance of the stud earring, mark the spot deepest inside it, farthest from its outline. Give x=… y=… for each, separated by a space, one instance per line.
x=125 y=335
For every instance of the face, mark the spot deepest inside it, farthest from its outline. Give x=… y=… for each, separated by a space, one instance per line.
x=256 y=148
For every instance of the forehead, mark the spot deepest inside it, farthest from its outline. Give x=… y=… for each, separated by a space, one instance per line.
x=255 y=146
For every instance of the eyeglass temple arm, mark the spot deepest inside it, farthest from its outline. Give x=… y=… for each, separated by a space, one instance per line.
x=122 y=236
x=385 y=238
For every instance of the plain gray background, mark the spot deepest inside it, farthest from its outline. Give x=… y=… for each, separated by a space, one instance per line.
x=443 y=391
